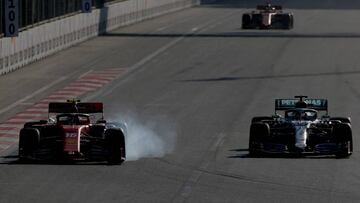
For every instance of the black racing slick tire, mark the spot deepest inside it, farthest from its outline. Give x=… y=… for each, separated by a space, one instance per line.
x=261 y=119
x=246 y=21
x=29 y=140
x=343 y=137
x=341 y=119
x=291 y=23
x=115 y=143
x=30 y=124
x=286 y=21
x=258 y=134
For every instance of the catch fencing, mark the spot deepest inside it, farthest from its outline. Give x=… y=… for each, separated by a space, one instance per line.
x=35 y=12
x=58 y=24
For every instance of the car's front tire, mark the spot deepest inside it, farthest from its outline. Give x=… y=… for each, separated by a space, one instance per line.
x=115 y=142
x=29 y=140
x=246 y=21
x=343 y=137
x=258 y=134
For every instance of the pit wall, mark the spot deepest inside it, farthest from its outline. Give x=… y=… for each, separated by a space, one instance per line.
x=48 y=38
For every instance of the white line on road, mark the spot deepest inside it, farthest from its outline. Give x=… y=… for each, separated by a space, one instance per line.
x=195 y=176
x=161 y=29
x=45 y=110
x=195 y=29
x=30 y=114
x=160 y=51
x=32 y=95
x=7 y=125
x=4 y=146
x=8 y=132
x=9 y=139
x=18 y=120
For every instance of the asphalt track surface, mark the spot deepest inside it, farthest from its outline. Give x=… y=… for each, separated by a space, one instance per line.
x=196 y=74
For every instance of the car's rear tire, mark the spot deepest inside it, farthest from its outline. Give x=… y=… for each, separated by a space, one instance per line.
x=30 y=124
x=258 y=134
x=115 y=143
x=261 y=119
x=29 y=140
x=343 y=138
x=341 y=119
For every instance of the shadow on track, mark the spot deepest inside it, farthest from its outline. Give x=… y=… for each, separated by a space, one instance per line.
x=287 y=4
x=14 y=160
x=240 y=35
x=235 y=78
x=244 y=154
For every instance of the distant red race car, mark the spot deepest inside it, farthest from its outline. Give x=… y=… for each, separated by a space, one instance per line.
x=267 y=17
x=73 y=132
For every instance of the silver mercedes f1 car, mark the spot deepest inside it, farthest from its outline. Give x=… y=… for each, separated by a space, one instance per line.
x=300 y=130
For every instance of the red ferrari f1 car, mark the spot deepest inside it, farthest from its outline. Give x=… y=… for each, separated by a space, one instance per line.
x=74 y=131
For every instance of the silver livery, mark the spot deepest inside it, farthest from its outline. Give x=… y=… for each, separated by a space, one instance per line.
x=301 y=130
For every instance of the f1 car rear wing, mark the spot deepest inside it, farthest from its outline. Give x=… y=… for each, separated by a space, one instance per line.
x=76 y=107
x=267 y=7
x=317 y=104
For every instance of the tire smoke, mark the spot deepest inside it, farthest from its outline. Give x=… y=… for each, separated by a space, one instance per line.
x=152 y=138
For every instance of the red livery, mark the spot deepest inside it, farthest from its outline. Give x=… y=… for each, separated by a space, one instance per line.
x=74 y=131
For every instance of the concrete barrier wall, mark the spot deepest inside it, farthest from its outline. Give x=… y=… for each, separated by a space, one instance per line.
x=43 y=40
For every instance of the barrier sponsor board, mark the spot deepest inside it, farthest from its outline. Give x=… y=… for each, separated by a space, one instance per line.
x=86 y=6
x=11 y=18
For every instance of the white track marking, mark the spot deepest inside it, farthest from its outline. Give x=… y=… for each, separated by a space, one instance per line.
x=161 y=28
x=160 y=51
x=8 y=132
x=93 y=80
x=110 y=76
x=9 y=139
x=26 y=103
x=86 y=73
x=52 y=100
x=41 y=105
x=71 y=93
x=21 y=120
x=4 y=146
x=195 y=176
x=86 y=84
x=8 y=125
x=30 y=114
x=32 y=95
x=194 y=29
x=45 y=110
x=80 y=88
x=62 y=96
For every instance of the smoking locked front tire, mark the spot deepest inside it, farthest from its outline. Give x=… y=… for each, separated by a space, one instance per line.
x=115 y=143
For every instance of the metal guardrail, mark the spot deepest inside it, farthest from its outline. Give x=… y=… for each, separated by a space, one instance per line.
x=34 y=12
x=70 y=29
